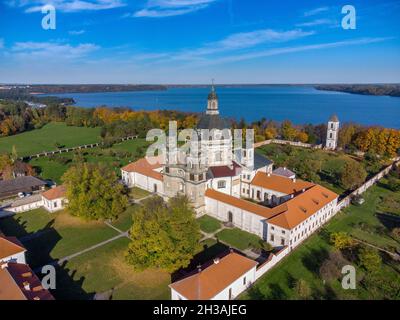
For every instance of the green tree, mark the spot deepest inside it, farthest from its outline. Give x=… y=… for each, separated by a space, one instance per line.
x=352 y=174
x=288 y=132
x=164 y=235
x=93 y=192
x=370 y=259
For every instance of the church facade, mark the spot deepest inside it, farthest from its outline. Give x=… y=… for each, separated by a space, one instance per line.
x=236 y=185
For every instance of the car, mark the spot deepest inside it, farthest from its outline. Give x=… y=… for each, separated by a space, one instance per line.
x=21 y=194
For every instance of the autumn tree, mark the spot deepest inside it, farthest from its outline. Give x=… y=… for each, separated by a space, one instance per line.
x=93 y=192
x=341 y=240
x=352 y=174
x=370 y=259
x=164 y=235
x=288 y=132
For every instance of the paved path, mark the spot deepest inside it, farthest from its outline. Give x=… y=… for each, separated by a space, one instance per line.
x=76 y=254
x=116 y=229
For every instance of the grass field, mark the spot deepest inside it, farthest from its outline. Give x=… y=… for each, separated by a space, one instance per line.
x=209 y=224
x=44 y=139
x=137 y=193
x=115 y=157
x=239 y=239
x=103 y=270
x=49 y=236
x=305 y=261
x=56 y=234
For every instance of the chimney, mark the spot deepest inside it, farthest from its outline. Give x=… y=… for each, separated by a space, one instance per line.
x=291 y=196
x=199 y=268
x=303 y=190
x=284 y=168
x=27 y=286
x=37 y=288
x=294 y=180
x=216 y=260
x=4 y=265
x=268 y=174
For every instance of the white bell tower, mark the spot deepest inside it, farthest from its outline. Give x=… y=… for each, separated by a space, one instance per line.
x=332 y=134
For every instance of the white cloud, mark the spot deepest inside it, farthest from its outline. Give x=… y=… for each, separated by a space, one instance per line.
x=51 y=50
x=235 y=42
x=76 y=32
x=169 y=8
x=67 y=5
x=313 y=12
x=316 y=22
x=285 y=50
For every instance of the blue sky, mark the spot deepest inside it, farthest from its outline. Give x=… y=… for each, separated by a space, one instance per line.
x=192 y=41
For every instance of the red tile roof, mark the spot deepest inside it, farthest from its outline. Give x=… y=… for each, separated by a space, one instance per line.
x=10 y=246
x=286 y=215
x=279 y=183
x=226 y=171
x=18 y=282
x=144 y=167
x=207 y=283
x=55 y=193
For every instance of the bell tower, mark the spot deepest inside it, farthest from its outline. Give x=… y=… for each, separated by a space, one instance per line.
x=332 y=134
x=212 y=102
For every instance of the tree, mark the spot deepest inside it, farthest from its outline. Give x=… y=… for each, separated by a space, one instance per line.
x=302 y=289
x=370 y=259
x=288 y=131
x=393 y=184
x=341 y=240
x=352 y=174
x=164 y=235
x=93 y=192
x=302 y=137
x=332 y=266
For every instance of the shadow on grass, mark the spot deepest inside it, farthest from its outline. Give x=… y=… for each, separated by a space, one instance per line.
x=39 y=245
x=314 y=259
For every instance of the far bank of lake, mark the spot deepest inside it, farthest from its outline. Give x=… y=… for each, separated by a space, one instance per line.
x=300 y=104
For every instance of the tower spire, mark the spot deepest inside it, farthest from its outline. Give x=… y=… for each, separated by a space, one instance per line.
x=212 y=105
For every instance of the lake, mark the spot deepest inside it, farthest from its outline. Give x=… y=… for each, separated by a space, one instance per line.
x=300 y=104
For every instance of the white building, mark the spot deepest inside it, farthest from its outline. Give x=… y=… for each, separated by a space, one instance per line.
x=332 y=134
x=145 y=174
x=11 y=250
x=224 y=279
x=54 y=199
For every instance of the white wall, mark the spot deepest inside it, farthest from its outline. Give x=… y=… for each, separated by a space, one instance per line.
x=134 y=179
x=25 y=207
x=18 y=258
x=242 y=219
x=53 y=205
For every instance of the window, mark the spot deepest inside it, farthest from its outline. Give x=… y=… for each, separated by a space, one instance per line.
x=55 y=204
x=230 y=293
x=272 y=228
x=283 y=232
x=330 y=135
x=221 y=184
x=248 y=177
x=331 y=125
x=272 y=237
x=258 y=195
x=282 y=241
x=244 y=281
x=191 y=177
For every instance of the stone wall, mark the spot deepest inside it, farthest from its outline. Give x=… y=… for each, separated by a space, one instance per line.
x=286 y=142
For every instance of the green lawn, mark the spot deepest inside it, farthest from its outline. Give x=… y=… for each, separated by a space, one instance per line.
x=124 y=221
x=57 y=234
x=239 y=239
x=304 y=262
x=104 y=269
x=44 y=139
x=115 y=157
x=137 y=193
x=209 y=224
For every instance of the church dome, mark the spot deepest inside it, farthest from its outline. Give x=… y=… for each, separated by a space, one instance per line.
x=334 y=118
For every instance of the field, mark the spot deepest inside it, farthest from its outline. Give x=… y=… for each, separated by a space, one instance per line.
x=115 y=157
x=209 y=224
x=45 y=138
x=305 y=261
x=103 y=269
x=239 y=239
